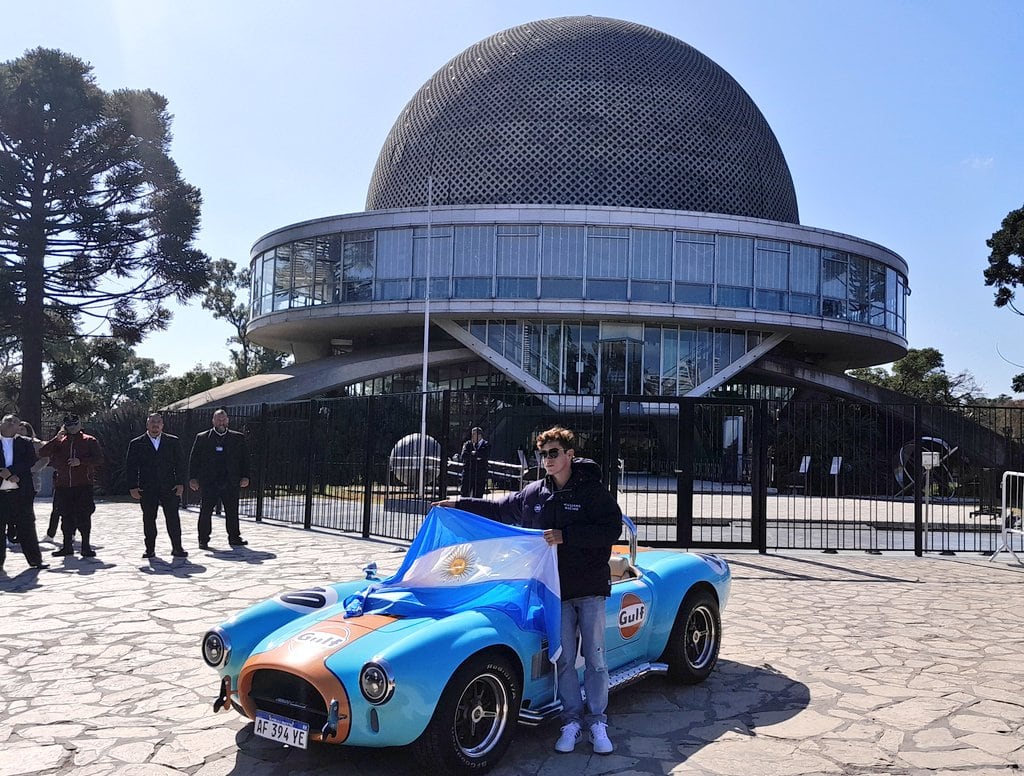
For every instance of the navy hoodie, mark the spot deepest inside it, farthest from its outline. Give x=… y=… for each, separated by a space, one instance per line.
x=584 y=511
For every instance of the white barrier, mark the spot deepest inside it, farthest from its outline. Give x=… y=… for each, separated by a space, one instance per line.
x=1012 y=513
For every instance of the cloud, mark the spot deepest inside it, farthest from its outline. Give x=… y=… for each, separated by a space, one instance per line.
x=978 y=162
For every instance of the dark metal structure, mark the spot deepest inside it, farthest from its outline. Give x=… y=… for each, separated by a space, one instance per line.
x=716 y=473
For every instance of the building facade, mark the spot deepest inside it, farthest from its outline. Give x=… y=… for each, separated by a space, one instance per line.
x=582 y=206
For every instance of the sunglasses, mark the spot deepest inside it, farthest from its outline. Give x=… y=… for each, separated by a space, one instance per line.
x=551 y=453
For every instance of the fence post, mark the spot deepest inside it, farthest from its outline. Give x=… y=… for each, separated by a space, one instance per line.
x=261 y=471
x=307 y=518
x=918 y=506
x=759 y=473
x=371 y=422
x=609 y=449
x=441 y=487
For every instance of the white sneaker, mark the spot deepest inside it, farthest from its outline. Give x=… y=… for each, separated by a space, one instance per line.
x=571 y=735
x=599 y=738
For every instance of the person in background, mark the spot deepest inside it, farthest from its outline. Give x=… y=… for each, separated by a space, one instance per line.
x=17 y=455
x=581 y=518
x=155 y=470
x=74 y=456
x=475 y=456
x=219 y=467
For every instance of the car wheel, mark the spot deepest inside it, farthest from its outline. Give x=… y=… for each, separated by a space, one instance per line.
x=475 y=718
x=696 y=637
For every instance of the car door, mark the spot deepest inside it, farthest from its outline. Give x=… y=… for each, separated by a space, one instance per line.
x=628 y=616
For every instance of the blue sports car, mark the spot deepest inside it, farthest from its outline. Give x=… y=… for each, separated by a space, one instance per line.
x=455 y=649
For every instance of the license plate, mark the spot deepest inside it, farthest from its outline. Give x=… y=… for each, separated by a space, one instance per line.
x=282 y=729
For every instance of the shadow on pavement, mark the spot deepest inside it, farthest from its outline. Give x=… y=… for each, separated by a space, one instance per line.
x=651 y=719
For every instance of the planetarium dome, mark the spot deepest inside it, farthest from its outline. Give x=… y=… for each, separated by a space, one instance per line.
x=585 y=111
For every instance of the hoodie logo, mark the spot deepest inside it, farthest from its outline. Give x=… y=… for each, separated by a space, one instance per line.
x=537 y=508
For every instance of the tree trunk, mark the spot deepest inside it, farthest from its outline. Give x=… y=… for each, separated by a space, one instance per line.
x=33 y=321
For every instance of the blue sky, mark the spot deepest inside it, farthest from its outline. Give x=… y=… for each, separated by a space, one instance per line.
x=902 y=122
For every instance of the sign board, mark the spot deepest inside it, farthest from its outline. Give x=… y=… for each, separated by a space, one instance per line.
x=837 y=464
x=805 y=464
x=929 y=460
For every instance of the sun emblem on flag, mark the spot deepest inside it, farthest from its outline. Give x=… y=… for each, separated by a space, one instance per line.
x=457 y=564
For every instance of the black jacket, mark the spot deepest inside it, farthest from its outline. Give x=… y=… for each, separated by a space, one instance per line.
x=24 y=456
x=155 y=470
x=232 y=464
x=589 y=518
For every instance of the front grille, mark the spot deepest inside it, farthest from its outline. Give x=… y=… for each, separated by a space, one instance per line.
x=289 y=696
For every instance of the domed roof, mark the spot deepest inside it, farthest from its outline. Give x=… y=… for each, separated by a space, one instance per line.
x=583 y=110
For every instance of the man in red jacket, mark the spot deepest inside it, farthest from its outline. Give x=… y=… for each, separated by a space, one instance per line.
x=74 y=456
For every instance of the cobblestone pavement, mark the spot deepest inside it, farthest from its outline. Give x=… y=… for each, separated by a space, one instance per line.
x=831 y=664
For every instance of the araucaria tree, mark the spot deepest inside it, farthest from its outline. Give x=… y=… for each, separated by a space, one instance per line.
x=1005 y=268
x=96 y=222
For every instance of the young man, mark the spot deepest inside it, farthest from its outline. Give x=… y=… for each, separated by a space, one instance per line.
x=155 y=470
x=219 y=465
x=74 y=456
x=579 y=515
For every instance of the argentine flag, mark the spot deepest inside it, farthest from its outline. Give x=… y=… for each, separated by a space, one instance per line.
x=460 y=561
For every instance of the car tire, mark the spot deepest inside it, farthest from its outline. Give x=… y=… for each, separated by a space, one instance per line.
x=475 y=719
x=692 y=649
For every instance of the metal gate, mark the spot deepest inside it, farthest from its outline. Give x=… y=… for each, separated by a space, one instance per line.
x=691 y=473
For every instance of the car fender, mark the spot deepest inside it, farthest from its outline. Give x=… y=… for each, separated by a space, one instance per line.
x=422 y=662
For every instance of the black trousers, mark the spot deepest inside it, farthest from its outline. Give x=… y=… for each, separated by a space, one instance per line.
x=16 y=510
x=75 y=505
x=153 y=500
x=211 y=495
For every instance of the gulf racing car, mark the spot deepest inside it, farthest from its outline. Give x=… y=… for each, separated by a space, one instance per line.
x=319 y=665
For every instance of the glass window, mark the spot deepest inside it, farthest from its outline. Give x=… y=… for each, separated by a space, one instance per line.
x=652 y=255
x=563 y=252
x=589 y=356
x=652 y=360
x=804 y=269
x=735 y=261
x=771 y=267
x=687 y=293
x=573 y=363
x=695 y=261
x=607 y=252
x=303 y=270
x=561 y=288
x=323 y=272
x=731 y=296
x=282 y=276
x=803 y=304
x=651 y=291
x=551 y=355
x=771 y=300
x=607 y=289
x=834 y=274
x=357 y=266
x=531 y=347
x=858 y=283
x=517 y=251
x=440 y=261
x=474 y=251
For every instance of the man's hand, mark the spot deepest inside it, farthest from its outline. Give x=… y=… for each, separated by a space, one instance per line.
x=553 y=536
x=74 y=462
x=244 y=482
x=178 y=490
x=193 y=484
x=135 y=493
x=448 y=502
x=5 y=473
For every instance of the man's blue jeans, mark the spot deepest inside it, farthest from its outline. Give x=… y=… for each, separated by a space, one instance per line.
x=584 y=616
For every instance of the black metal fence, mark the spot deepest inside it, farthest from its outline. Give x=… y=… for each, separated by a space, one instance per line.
x=695 y=473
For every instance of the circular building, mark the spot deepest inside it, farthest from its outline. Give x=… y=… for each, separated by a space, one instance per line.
x=583 y=206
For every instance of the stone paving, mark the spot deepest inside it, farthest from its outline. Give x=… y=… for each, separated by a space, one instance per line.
x=831 y=664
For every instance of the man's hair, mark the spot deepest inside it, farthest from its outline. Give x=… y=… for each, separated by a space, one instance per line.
x=221 y=409
x=154 y=414
x=476 y=430
x=10 y=417
x=28 y=427
x=563 y=436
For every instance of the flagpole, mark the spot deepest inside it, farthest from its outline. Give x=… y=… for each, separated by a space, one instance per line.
x=426 y=337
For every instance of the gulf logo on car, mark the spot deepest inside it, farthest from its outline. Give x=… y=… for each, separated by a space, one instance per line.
x=632 y=613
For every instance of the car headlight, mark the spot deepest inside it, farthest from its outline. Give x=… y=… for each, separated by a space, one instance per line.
x=216 y=648
x=376 y=682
